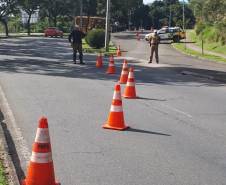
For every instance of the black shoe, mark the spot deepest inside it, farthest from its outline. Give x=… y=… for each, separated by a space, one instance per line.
x=82 y=63
x=150 y=62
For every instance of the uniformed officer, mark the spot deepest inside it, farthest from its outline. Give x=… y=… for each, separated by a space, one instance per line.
x=75 y=38
x=154 y=43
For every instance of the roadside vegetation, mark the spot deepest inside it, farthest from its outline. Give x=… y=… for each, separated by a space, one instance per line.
x=209 y=43
x=87 y=48
x=210 y=24
x=181 y=47
x=3 y=180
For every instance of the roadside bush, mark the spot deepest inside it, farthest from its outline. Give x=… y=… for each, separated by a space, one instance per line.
x=199 y=27
x=95 y=38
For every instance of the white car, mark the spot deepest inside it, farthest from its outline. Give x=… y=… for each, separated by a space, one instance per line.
x=169 y=33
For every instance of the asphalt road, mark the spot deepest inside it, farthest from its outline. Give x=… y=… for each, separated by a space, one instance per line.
x=177 y=134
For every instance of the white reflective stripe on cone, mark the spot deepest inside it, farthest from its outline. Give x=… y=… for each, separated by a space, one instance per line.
x=131 y=75
x=117 y=95
x=130 y=84
x=124 y=72
x=42 y=135
x=111 y=65
x=41 y=157
x=115 y=108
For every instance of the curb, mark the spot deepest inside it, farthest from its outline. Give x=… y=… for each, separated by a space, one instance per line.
x=198 y=57
x=15 y=147
x=9 y=167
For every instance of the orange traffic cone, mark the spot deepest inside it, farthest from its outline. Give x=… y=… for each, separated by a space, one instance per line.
x=124 y=73
x=130 y=90
x=116 y=118
x=119 y=54
x=111 y=66
x=40 y=170
x=99 y=61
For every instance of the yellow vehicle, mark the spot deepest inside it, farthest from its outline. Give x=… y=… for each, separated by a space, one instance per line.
x=88 y=23
x=171 y=33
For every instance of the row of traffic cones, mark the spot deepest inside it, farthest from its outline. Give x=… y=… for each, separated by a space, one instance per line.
x=115 y=119
x=127 y=75
x=40 y=170
x=99 y=61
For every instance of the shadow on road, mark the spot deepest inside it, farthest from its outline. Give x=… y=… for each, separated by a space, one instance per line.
x=146 y=132
x=151 y=99
x=53 y=57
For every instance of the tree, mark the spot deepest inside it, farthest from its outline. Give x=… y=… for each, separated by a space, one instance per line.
x=170 y=12
x=7 y=7
x=29 y=6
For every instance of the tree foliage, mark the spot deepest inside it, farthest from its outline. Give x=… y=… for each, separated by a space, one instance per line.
x=7 y=7
x=170 y=12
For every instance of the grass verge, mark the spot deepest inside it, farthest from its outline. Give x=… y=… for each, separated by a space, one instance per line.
x=3 y=180
x=88 y=49
x=180 y=47
x=216 y=47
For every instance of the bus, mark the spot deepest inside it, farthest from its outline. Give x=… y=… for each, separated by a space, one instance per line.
x=88 y=23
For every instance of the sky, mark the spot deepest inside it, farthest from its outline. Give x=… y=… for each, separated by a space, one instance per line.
x=147 y=1
x=150 y=1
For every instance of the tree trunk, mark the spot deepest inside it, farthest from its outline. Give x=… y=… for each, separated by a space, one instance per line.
x=29 y=25
x=6 y=27
x=55 y=21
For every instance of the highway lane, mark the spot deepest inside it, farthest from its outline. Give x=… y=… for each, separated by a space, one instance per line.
x=177 y=133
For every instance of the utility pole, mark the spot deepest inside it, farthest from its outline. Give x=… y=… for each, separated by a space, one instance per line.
x=81 y=12
x=184 y=25
x=183 y=17
x=170 y=16
x=107 y=26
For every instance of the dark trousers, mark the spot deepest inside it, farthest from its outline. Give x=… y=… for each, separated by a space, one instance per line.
x=77 y=47
x=154 y=49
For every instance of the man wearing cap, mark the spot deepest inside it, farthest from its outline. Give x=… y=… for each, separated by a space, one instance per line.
x=154 y=43
x=75 y=38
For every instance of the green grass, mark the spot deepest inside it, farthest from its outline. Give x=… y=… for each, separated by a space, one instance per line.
x=209 y=46
x=180 y=47
x=88 y=49
x=3 y=180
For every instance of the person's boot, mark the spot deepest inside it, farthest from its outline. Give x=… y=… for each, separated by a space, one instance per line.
x=74 y=58
x=81 y=60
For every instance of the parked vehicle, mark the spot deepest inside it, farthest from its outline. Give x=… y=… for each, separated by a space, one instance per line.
x=170 y=33
x=53 y=32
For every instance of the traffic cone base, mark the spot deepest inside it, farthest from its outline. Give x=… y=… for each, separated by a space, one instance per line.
x=111 y=66
x=106 y=126
x=116 y=117
x=111 y=70
x=115 y=121
x=130 y=92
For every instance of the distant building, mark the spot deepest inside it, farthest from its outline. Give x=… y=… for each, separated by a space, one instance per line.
x=34 y=17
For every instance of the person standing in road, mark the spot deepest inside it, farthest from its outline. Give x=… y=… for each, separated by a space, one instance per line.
x=154 y=44
x=75 y=38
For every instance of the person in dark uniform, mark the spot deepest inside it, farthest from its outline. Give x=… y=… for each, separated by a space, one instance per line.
x=75 y=38
x=154 y=44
